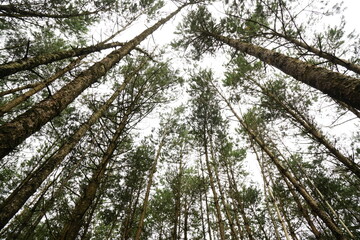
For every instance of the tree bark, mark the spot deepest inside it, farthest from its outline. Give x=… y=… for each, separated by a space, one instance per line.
x=336 y=85
x=212 y=185
x=72 y=227
x=10 y=68
x=314 y=205
x=37 y=87
x=31 y=183
x=148 y=187
x=328 y=56
x=314 y=132
x=16 y=131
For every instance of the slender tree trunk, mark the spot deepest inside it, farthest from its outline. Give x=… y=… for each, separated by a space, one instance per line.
x=328 y=56
x=337 y=232
x=222 y=196
x=212 y=185
x=240 y=202
x=7 y=69
x=72 y=227
x=206 y=203
x=16 y=131
x=312 y=130
x=38 y=87
x=148 y=187
x=336 y=85
x=31 y=183
x=304 y=211
x=186 y=217
x=129 y=223
x=90 y=217
x=177 y=194
x=12 y=10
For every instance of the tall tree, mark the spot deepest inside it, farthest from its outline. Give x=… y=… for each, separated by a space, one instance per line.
x=16 y=131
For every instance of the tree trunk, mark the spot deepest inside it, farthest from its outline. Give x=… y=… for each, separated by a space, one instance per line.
x=38 y=87
x=222 y=196
x=240 y=202
x=304 y=211
x=336 y=85
x=206 y=203
x=16 y=131
x=314 y=205
x=328 y=56
x=314 y=132
x=31 y=183
x=72 y=227
x=7 y=69
x=212 y=185
x=148 y=187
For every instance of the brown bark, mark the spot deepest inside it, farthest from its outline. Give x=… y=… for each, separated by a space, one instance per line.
x=222 y=195
x=13 y=11
x=328 y=56
x=30 y=184
x=148 y=187
x=336 y=85
x=10 y=68
x=212 y=185
x=72 y=227
x=36 y=87
x=206 y=203
x=16 y=131
x=304 y=211
x=314 y=205
x=313 y=131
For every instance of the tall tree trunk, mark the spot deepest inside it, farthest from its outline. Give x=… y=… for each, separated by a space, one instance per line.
x=304 y=211
x=148 y=187
x=89 y=218
x=31 y=183
x=16 y=131
x=130 y=219
x=177 y=201
x=72 y=227
x=222 y=195
x=212 y=185
x=38 y=87
x=7 y=69
x=336 y=85
x=313 y=131
x=12 y=10
x=328 y=56
x=206 y=203
x=314 y=205
x=240 y=202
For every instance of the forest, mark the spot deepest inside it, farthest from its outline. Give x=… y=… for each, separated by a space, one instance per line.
x=179 y=119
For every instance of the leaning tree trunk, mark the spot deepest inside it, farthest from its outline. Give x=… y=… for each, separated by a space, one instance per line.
x=312 y=130
x=16 y=131
x=336 y=85
x=212 y=185
x=328 y=56
x=313 y=204
x=72 y=227
x=36 y=87
x=148 y=187
x=7 y=69
x=31 y=183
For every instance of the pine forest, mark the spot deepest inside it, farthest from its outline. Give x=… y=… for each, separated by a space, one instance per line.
x=179 y=119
